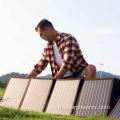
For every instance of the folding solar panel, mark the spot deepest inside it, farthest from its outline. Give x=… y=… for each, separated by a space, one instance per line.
x=115 y=113
x=37 y=95
x=63 y=97
x=97 y=96
x=14 y=92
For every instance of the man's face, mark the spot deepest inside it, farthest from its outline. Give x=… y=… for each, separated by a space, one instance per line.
x=46 y=34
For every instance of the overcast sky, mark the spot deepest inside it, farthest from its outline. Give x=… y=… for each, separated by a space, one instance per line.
x=94 y=23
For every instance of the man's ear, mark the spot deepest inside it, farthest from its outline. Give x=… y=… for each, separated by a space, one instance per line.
x=47 y=29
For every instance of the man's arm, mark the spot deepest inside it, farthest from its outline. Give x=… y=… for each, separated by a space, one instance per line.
x=61 y=73
x=38 y=68
x=32 y=74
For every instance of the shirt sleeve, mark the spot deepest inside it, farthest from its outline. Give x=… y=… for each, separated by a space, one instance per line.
x=69 y=53
x=41 y=65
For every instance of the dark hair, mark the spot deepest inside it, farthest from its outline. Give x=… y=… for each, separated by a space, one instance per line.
x=44 y=23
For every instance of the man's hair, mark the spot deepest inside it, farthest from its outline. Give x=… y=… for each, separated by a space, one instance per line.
x=44 y=23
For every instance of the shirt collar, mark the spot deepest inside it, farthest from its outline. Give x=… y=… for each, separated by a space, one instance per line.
x=58 y=35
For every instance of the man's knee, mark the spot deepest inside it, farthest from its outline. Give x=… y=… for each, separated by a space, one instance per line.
x=90 y=71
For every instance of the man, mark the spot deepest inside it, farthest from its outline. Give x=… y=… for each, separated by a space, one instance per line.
x=63 y=53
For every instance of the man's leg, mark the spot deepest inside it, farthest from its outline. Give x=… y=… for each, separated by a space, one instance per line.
x=90 y=72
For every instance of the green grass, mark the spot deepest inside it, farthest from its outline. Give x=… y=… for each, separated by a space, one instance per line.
x=1 y=91
x=13 y=114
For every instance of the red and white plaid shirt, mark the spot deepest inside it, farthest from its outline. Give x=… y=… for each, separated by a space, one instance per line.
x=70 y=52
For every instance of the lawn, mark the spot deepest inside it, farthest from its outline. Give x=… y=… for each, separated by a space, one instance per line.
x=1 y=91
x=12 y=114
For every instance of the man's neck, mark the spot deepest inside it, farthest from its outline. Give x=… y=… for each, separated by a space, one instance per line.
x=54 y=36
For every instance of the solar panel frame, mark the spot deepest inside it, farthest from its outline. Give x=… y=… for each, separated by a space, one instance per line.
x=109 y=96
x=76 y=94
x=24 y=94
x=5 y=88
x=48 y=96
x=113 y=110
x=8 y=86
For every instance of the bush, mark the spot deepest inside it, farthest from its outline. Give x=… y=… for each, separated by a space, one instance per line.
x=2 y=85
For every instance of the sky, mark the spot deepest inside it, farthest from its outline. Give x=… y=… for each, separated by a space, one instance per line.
x=94 y=23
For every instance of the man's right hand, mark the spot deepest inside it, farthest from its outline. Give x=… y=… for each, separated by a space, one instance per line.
x=32 y=74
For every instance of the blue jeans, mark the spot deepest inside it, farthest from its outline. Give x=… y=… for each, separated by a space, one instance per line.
x=76 y=75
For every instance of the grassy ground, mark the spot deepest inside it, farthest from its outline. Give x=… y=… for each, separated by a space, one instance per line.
x=12 y=114
x=1 y=91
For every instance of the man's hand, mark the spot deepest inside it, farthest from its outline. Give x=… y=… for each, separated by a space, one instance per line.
x=61 y=73
x=32 y=74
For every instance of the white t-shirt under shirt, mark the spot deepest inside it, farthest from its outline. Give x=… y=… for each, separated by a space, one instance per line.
x=58 y=59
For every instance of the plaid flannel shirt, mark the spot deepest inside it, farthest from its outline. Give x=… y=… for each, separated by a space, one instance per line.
x=70 y=52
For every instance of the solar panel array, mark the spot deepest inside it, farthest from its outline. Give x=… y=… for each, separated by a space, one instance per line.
x=60 y=97
x=63 y=97
x=94 y=98
x=115 y=113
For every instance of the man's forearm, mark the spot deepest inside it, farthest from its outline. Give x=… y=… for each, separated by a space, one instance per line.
x=32 y=74
x=61 y=73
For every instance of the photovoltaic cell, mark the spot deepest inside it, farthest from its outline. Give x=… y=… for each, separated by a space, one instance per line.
x=115 y=113
x=37 y=94
x=14 y=92
x=94 y=98
x=63 y=97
